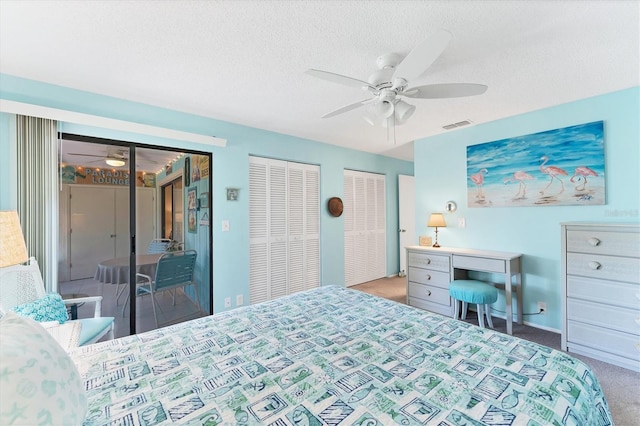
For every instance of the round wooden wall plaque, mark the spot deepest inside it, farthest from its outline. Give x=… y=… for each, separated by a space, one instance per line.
x=335 y=206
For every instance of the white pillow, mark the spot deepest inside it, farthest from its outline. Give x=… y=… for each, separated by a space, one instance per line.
x=40 y=384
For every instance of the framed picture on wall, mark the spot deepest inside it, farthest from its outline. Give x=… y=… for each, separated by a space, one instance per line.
x=192 y=208
x=192 y=225
x=232 y=194
x=204 y=200
x=192 y=200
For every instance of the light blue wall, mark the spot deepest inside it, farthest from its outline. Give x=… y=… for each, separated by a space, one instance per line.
x=440 y=175
x=230 y=168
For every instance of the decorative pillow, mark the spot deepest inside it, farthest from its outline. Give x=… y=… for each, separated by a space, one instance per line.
x=49 y=308
x=41 y=384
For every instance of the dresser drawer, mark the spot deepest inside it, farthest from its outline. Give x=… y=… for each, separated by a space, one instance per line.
x=429 y=261
x=612 y=317
x=427 y=276
x=605 y=340
x=607 y=292
x=604 y=267
x=427 y=292
x=613 y=243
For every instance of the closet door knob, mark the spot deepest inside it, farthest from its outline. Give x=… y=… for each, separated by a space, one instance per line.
x=594 y=265
x=594 y=241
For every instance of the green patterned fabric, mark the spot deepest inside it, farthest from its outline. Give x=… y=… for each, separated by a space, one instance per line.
x=334 y=356
x=48 y=308
x=39 y=383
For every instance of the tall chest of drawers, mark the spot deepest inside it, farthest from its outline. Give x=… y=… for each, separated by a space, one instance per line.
x=428 y=278
x=601 y=292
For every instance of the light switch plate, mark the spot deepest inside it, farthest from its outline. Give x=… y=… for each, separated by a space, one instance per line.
x=225 y=226
x=462 y=223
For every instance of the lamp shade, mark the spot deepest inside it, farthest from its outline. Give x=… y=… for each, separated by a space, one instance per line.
x=403 y=111
x=12 y=246
x=436 y=220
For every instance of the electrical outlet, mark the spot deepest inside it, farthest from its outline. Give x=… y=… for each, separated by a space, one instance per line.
x=239 y=300
x=227 y=302
x=542 y=307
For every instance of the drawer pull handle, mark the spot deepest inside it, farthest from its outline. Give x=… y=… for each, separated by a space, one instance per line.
x=428 y=277
x=594 y=265
x=428 y=292
x=427 y=261
x=594 y=241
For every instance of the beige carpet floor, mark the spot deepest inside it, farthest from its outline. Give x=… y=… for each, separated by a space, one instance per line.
x=620 y=385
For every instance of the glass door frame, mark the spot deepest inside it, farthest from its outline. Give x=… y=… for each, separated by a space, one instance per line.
x=132 y=209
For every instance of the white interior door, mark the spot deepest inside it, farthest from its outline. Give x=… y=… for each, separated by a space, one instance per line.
x=407 y=222
x=145 y=218
x=121 y=217
x=364 y=226
x=92 y=228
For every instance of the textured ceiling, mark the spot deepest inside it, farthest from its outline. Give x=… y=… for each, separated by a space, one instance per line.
x=244 y=61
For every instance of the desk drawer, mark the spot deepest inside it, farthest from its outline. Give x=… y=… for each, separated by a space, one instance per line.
x=616 y=243
x=604 y=267
x=427 y=276
x=479 y=263
x=429 y=293
x=429 y=261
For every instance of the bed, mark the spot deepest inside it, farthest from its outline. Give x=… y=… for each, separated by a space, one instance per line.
x=334 y=356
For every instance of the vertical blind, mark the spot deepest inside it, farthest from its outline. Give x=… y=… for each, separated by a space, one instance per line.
x=38 y=192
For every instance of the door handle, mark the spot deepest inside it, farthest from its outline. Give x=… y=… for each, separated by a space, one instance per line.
x=402 y=230
x=112 y=235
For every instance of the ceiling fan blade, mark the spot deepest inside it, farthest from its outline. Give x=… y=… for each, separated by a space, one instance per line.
x=348 y=107
x=85 y=155
x=340 y=79
x=423 y=55
x=445 y=90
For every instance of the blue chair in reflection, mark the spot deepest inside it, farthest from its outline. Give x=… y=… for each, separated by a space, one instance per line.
x=174 y=270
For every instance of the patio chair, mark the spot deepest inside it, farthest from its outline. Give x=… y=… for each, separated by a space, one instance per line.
x=22 y=284
x=174 y=270
x=158 y=245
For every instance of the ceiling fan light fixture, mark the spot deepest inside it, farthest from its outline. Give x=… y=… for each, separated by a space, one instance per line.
x=403 y=111
x=115 y=162
x=383 y=109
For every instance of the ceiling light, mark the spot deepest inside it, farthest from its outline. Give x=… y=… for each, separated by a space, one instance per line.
x=403 y=111
x=114 y=162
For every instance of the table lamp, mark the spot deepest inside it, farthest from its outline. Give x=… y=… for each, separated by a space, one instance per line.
x=13 y=250
x=436 y=220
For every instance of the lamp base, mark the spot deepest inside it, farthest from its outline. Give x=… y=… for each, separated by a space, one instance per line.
x=436 y=245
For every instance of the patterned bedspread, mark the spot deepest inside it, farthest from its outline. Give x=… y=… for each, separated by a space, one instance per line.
x=335 y=356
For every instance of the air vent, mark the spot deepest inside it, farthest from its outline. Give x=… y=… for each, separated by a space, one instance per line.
x=458 y=124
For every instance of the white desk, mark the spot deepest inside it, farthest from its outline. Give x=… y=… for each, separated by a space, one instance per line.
x=431 y=269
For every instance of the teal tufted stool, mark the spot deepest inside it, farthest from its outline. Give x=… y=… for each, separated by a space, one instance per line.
x=473 y=291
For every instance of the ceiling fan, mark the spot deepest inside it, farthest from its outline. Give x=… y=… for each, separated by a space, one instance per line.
x=391 y=83
x=115 y=158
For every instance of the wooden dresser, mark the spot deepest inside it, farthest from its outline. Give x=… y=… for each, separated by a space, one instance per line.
x=601 y=292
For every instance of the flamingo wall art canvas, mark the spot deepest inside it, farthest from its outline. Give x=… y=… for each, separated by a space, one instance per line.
x=558 y=167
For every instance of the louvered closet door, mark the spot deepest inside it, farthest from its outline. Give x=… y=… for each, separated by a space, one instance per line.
x=278 y=266
x=348 y=214
x=258 y=231
x=365 y=227
x=284 y=210
x=304 y=227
